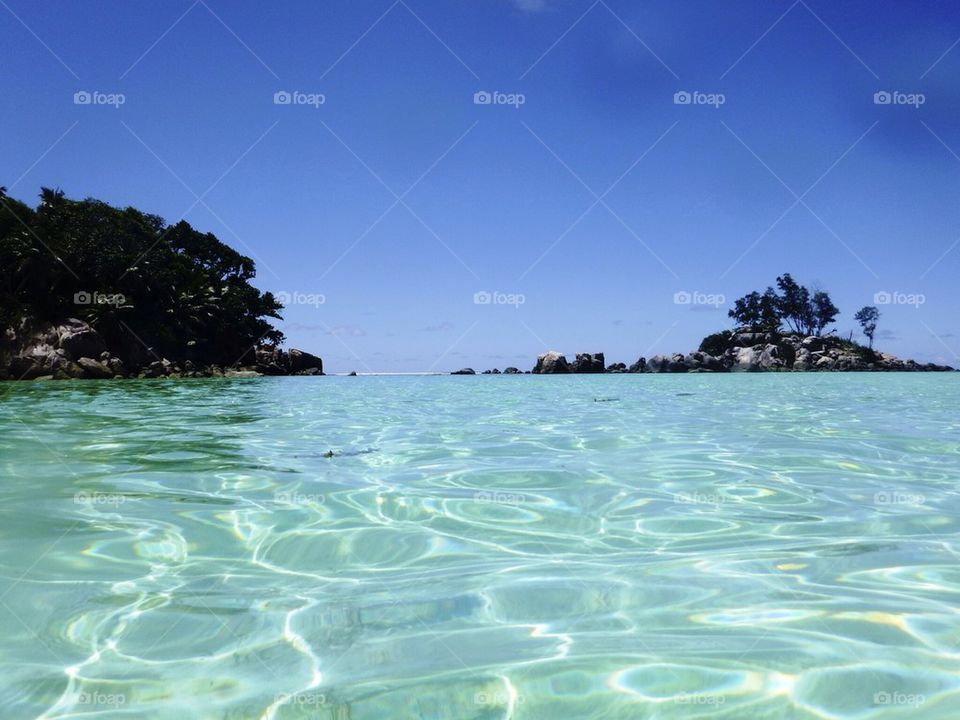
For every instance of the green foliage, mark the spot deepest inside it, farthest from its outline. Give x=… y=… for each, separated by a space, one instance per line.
x=862 y=351
x=182 y=293
x=794 y=305
x=824 y=311
x=757 y=312
x=867 y=317
x=717 y=343
x=804 y=313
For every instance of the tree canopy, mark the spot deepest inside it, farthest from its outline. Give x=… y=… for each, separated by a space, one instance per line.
x=868 y=317
x=135 y=279
x=803 y=312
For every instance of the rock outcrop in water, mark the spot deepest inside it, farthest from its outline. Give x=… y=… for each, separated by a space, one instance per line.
x=72 y=349
x=95 y=291
x=551 y=363
x=748 y=352
x=589 y=363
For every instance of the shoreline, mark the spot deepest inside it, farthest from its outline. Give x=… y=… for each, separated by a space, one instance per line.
x=74 y=350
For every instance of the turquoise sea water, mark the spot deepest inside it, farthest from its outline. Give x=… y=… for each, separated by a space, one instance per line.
x=763 y=546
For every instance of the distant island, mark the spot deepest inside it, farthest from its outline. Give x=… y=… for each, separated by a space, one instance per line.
x=780 y=329
x=94 y=291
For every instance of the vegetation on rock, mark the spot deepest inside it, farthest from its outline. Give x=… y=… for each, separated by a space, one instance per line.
x=149 y=289
x=804 y=312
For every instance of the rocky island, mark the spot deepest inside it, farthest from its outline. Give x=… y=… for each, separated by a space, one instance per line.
x=93 y=291
x=782 y=329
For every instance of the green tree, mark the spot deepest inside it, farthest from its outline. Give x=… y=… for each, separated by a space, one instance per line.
x=794 y=304
x=804 y=313
x=186 y=295
x=757 y=312
x=824 y=311
x=867 y=317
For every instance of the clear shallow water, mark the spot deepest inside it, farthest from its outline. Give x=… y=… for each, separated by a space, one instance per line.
x=775 y=546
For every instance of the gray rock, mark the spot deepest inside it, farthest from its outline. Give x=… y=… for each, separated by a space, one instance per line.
x=154 y=370
x=658 y=364
x=749 y=339
x=589 y=363
x=511 y=371
x=77 y=340
x=95 y=369
x=770 y=358
x=639 y=366
x=551 y=362
x=68 y=370
x=241 y=374
x=812 y=343
x=465 y=371
x=298 y=361
x=747 y=359
x=677 y=364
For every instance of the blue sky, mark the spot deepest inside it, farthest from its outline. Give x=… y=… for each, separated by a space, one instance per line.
x=594 y=202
